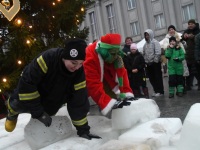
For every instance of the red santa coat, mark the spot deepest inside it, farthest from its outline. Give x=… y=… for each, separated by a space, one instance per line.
x=96 y=70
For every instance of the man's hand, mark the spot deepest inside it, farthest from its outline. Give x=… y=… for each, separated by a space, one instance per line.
x=131 y=98
x=46 y=119
x=120 y=104
x=90 y=136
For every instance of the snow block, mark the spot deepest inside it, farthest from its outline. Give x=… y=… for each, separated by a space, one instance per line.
x=156 y=133
x=122 y=145
x=139 y=111
x=37 y=135
x=190 y=133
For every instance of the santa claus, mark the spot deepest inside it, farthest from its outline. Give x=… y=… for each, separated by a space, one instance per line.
x=106 y=78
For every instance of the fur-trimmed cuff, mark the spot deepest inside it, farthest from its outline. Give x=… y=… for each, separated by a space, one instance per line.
x=116 y=90
x=129 y=94
x=108 y=107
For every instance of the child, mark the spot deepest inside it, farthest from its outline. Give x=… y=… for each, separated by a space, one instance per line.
x=175 y=55
x=135 y=67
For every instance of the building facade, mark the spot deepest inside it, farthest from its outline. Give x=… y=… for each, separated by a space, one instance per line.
x=133 y=17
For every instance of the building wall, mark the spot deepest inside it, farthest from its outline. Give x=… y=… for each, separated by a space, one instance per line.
x=144 y=13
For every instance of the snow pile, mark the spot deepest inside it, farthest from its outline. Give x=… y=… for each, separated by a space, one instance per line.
x=155 y=133
x=139 y=111
x=190 y=133
x=146 y=134
x=38 y=136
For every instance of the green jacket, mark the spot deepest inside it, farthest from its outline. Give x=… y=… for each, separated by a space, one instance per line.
x=175 y=67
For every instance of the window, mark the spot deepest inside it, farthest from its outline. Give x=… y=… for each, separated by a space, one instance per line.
x=188 y=12
x=159 y=21
x=93 y=25
x=111 y=19
x=131 y=4
x=135 y=28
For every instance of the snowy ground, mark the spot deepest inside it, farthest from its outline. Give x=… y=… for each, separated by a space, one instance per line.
x=151 y=133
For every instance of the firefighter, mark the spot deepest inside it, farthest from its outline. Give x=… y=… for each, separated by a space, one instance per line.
x=53 y=78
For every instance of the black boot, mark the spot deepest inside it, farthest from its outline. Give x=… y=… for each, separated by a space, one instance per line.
x=146 y=92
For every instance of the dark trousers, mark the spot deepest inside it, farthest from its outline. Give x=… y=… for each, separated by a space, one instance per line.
x=193 y=70
x=155 y=77
x=198 y=73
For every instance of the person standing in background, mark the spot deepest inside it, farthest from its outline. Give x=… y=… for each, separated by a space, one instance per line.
x=197 y=55
x=126 y=50
x=189 y=36
x=128 y=42
x=152 y=57
x=135 y=68
x=175 y=55
x=173 y=33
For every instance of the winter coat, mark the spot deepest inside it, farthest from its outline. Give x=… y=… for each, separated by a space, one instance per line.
x=178 y=39
x=45 y=85
x=97 y=72
x=175 y=67
x=136 y=61
x=126 y=49
x=197 y=48
x=151 y=49
x=190 y=44
x=166 y=41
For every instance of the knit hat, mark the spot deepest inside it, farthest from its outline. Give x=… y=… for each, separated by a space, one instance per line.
x=171 y=26
x=191 y=21
x=133 y=46
x=74 y=49
x=172 y=39
x=112 y=39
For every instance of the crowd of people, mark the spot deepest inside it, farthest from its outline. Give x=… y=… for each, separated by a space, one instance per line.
x=177 y=57
x=103 y=72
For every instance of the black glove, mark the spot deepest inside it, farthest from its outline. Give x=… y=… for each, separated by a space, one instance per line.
x=175 y=59
x=90 y=136
x=46 y=119
x=120 y=104
x=131 y=98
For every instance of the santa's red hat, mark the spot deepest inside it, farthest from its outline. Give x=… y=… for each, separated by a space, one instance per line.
x=111 y=38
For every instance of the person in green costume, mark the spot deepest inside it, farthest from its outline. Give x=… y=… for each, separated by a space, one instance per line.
x=175 y=55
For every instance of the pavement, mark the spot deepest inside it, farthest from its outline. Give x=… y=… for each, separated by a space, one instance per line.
x=176 y=107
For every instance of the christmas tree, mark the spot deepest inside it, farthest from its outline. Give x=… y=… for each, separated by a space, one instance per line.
x=38 y=26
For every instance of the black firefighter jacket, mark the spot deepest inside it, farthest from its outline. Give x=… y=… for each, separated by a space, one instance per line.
x=45 y=85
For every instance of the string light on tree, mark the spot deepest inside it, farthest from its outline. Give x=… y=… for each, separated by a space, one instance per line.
x=28 y=41
x=18 y=22
x=19 y=62
x=4 y=80
x=54 y=3
x=82 y=9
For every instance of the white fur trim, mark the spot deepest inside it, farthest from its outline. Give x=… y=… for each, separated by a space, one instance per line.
x=101 y=62
x=129 y=94
x=116 y=89
x=109 y=106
